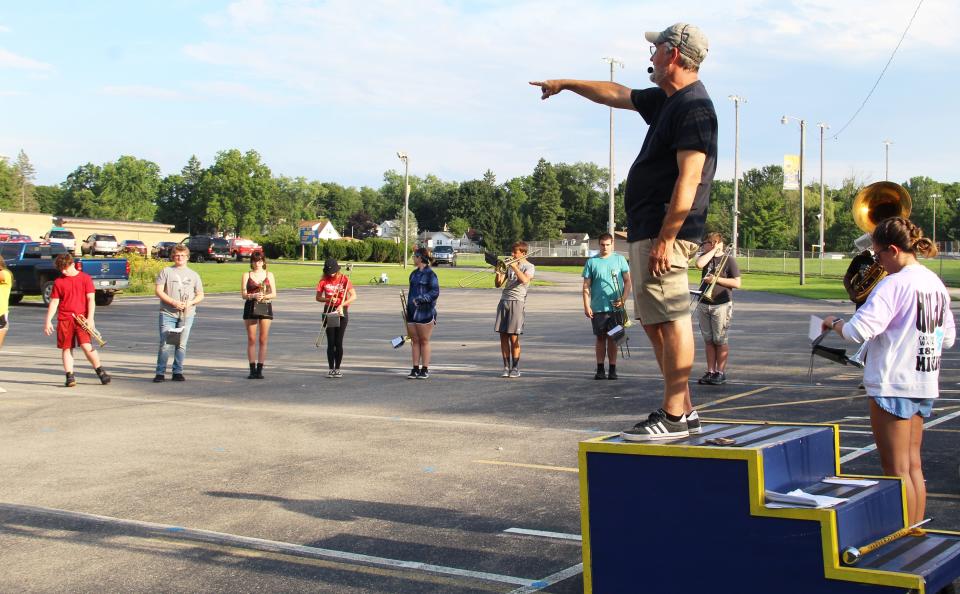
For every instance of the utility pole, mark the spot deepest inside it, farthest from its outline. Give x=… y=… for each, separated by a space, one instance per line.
x=886 y=175
x=803 y=132
x=611 y=224
x=406 y=202
x=823 y=127
x=737 y=100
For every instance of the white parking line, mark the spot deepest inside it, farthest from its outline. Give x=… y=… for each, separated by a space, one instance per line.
x=867 y=449
x=550 y=579
x=246 y=542
x=544 y=533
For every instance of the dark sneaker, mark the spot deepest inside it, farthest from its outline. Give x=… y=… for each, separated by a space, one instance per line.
x=104 y=377
x=71 y=381
x=330 y=373
x=706 y=378
x=337 y=374
x=424 y=373
x=719 y=378
x=600 y=374
x=612 y=375
x=414 y=373
x=159 y=378
x=656 y=427
x=178 y=377
x=693 y=422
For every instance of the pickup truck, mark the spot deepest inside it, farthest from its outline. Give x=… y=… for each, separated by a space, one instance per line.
x=34 y=272
x=241 y=248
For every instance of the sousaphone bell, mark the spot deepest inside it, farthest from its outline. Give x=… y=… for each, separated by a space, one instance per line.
x=872 y=205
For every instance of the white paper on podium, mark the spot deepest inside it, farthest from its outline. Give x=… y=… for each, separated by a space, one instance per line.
x=816 y=327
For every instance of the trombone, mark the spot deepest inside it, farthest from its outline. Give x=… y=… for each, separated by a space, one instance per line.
x=87 y=327
x=338 y=295
x=619 y=332
x=473 y=279
x=401 y=340
x=705 y=292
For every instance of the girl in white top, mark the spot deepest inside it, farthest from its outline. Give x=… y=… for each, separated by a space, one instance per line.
x=908 y=321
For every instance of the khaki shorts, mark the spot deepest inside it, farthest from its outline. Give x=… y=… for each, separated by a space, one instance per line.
x=715 y=321
x=666 y=298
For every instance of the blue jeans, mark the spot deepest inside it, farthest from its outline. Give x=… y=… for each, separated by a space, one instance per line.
x=167 y=322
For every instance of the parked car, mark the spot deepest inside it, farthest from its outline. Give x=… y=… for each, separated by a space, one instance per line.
x=133 y=246
x=207 y=247
x=444 y=254
x=100 y=244
x=241 y=248
x=161 y=250
x=7 y=232
x=62 y=236
x=34 y=271
x=18 y=238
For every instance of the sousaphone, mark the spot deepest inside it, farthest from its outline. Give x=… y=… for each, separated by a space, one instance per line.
x=872 y=205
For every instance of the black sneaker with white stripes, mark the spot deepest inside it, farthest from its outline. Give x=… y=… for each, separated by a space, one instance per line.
x=656 y=427
x=693 y=422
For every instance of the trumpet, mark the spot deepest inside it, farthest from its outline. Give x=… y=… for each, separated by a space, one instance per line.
x=89 y=328
x=498 y=266
x=401 y=340
x=329 y=308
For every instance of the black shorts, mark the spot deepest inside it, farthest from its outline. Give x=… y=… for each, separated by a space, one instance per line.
x=603 y=321
x=3 y=322
x=248 y=311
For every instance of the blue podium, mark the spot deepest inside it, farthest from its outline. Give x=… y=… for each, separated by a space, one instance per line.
x=684 y=516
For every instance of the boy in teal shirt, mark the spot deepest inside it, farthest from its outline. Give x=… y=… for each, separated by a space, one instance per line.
x=606 y=285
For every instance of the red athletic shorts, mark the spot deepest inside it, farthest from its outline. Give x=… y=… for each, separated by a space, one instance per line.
x=70 y=335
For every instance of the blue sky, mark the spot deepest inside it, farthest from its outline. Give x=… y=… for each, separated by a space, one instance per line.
x=332 y=90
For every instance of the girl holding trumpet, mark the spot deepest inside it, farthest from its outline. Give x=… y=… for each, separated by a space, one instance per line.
x=421 y=312
x=72 y=301
x=336 y=292
x=257 y=288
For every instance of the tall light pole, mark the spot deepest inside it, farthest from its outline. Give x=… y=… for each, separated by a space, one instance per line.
x=823 y=127
x=737 y=100
x=611 y=225
x=886 y=175
x=406 y=202
x=934 y=198
x=803 y=130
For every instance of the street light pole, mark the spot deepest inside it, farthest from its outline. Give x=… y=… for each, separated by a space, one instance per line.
x=823 y=127
x=406 y=201
x=737 y=100
x=611 y=225
x=886 y=175
x=803 y=129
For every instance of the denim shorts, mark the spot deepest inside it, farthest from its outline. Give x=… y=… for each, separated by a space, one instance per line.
x=905 y=408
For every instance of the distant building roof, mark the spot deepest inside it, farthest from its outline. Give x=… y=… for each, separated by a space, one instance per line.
x=64 y=221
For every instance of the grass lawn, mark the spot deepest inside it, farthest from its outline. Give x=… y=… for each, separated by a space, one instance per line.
x=223 y=278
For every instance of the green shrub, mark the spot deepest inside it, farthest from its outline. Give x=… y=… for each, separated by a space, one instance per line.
x=381 y=250
x=358 y=251
x=143 y=272
x=282 y=242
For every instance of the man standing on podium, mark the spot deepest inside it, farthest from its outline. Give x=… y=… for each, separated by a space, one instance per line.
x=667 y=194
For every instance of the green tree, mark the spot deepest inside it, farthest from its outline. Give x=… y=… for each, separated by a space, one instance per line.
x=584 y=197
x=79 y=192
x=458 y=226
x=546 y=214
x=8 y=187
x=128 y=189
x=24 y=176
x=236 y=191
x=48 y=198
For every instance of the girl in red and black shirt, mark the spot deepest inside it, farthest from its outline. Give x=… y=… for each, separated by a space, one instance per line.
x=336 y=292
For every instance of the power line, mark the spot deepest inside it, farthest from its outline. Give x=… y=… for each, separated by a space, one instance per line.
x=879 y=78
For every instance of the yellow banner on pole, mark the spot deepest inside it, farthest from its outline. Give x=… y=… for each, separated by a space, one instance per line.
x=791 y=172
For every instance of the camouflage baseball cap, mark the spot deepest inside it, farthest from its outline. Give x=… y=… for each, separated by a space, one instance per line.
x=689 y=39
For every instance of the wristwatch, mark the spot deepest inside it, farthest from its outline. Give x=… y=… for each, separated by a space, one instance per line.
x=833 y=324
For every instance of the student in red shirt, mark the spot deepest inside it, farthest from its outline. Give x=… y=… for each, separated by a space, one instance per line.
x=72 y=296
x=336 y=292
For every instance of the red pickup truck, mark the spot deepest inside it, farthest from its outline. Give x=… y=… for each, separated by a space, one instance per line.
x=241 y=248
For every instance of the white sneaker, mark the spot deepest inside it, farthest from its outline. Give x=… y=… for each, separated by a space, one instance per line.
x=331 y=373
x=514 y=372
x=506 y=372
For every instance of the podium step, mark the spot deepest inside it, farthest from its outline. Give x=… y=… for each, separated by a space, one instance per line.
x=653 y=511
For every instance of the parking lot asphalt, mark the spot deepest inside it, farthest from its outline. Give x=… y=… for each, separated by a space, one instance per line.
x=465 y=482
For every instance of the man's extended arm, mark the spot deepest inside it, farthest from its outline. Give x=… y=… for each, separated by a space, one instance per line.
x=690 y=164
x=598 y=91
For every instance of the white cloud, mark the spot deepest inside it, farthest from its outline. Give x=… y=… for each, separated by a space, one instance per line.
x=140 y=91
x=11 y=60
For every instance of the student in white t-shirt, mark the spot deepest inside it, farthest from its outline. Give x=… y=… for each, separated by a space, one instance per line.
x=908 y=321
